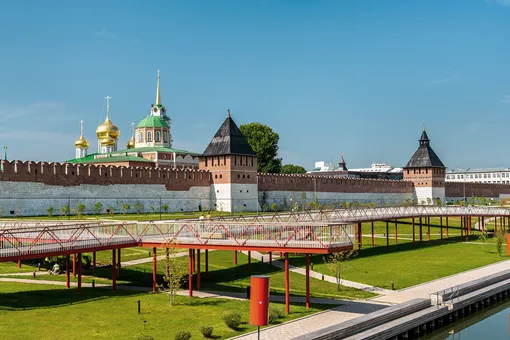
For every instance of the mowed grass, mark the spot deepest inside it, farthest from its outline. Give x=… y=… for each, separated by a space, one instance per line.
x=31 y=311
x=223 y=275
x=408 y=264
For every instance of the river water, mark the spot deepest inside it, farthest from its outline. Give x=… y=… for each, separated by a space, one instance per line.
x=492 y=323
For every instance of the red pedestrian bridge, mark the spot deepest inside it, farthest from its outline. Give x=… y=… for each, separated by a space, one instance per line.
x=311 y=232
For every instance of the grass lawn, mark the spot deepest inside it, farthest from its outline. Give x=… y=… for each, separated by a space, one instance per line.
x=409 y=264
x=32 y=311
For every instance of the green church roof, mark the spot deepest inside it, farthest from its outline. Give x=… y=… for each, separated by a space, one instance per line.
x=152 y=121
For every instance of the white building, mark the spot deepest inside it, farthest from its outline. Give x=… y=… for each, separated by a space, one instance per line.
x=495 y=175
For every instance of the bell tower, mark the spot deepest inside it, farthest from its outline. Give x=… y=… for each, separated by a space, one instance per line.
x=427 y=173
x=233 y=166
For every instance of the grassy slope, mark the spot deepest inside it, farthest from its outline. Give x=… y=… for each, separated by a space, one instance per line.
x=28 y=311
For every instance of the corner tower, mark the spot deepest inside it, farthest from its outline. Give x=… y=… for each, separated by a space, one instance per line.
x=427 y=173
x=233 y=166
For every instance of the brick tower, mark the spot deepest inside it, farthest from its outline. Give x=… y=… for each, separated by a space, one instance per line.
x=233 y=165
x=427 y=173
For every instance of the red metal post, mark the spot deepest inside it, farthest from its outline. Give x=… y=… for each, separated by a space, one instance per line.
x=396 y=232
x=68 y=271
x=441 y=226
x=428 y=222
x=79 y=272
x=483 y=224
x=198 y=269
x=190 y=274
x=287 y=297
x=74 y=265
x=114 y=271
x=271 y=258
x=19 y=263
x=307 y=256
x=249 y=259
x=414 y=236
x=118 y=262
x=387 y=235
x=93 y=262
x=421 y=231
x=466 y=221
x=447 y=235
x=235 y=256
x=360 y=236
x=154 y=270
x=373 y=239
x=461 y=226
x=206 y=263
x=194 y=261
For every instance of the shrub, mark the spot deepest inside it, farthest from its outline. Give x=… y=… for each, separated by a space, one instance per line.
x=274 y=314
x=183 y=335
x=232 y=320
x=206 y=331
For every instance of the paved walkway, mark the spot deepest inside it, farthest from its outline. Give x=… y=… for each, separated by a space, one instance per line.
x=316 y=275
x=301 y=326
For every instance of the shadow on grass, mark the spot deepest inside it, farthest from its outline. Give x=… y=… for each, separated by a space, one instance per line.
x=56 y=297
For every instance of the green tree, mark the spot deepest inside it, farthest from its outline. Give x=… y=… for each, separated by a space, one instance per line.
x=64 y=210
x=80 y=209
x=98 y=207
x=264 y=141
x=164 y=207
x=125 y=208
x=175 y=272
x=139 y=207
x=50 y=211
x=110 y=210
x=292 y=169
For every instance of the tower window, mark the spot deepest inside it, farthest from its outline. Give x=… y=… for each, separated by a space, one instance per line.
x=158 y=136
x=164 y=137
x=149 y=136
x=140 y=136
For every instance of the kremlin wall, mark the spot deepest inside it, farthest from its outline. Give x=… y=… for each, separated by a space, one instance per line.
x=224 y=177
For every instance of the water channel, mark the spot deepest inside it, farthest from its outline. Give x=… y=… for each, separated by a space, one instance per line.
x=491 y=323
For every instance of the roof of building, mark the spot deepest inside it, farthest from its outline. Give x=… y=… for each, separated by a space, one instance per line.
x=152 y=121
x=229 y=140
x=155 y=148
x=109 y=159
x=463 y=171
x=424 y=157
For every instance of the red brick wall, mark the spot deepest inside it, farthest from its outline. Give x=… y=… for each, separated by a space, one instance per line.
x=456 y=189
x=66 y=174
x=276 y=182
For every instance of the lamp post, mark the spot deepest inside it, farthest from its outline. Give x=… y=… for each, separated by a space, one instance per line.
x=68 y=206
x=465 y=174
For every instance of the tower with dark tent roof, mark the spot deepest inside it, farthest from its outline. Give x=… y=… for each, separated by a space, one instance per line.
x=233 y=166
x=427 y=173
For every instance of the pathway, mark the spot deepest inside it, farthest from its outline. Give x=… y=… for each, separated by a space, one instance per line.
x=301 y=326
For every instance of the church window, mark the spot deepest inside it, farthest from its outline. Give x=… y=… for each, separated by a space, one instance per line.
x=164 y=137
x=149 y=136
x=158 y=136
x=140 y=136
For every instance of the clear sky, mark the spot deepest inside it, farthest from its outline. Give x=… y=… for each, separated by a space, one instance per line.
x=353 y=76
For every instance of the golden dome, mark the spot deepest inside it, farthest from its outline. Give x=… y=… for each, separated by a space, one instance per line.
x=107 y=129
x=81 y=143
x=107 y=141
x=131 y=143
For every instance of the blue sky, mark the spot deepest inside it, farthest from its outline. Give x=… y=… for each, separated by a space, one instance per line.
x=351 y=76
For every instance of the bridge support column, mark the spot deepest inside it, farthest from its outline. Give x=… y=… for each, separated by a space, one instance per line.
x=154 y=270
x=198 y=269
x=118 y=262
x=396 y=231
x=461 y=226
x=249 y=259
x=271 y=258
x=414 y=234
x=307 y=256
x=447 y=235
x=194 y=261
x=74 y=265
x=483 y=224
x=235 y=256
x=360 y=236
x=68 y=271
x=387 y=235
x=19 y=263
x=206 y=263
x=190 y=273
x=287 y=297
x=428 y=230
x=373 y=238
x=114 y=271
x=167 y=256
x=466 y=223
x=441 y=226
x=79 y=272
x=421 y=231
x=93 y=262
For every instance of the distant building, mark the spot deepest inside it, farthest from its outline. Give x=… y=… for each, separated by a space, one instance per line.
x=376 y=171
x=494 y=175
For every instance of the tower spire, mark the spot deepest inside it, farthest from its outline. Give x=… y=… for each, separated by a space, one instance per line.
x=132 y=129
x=107 y=106
x=81 y=128
x=158 y=93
